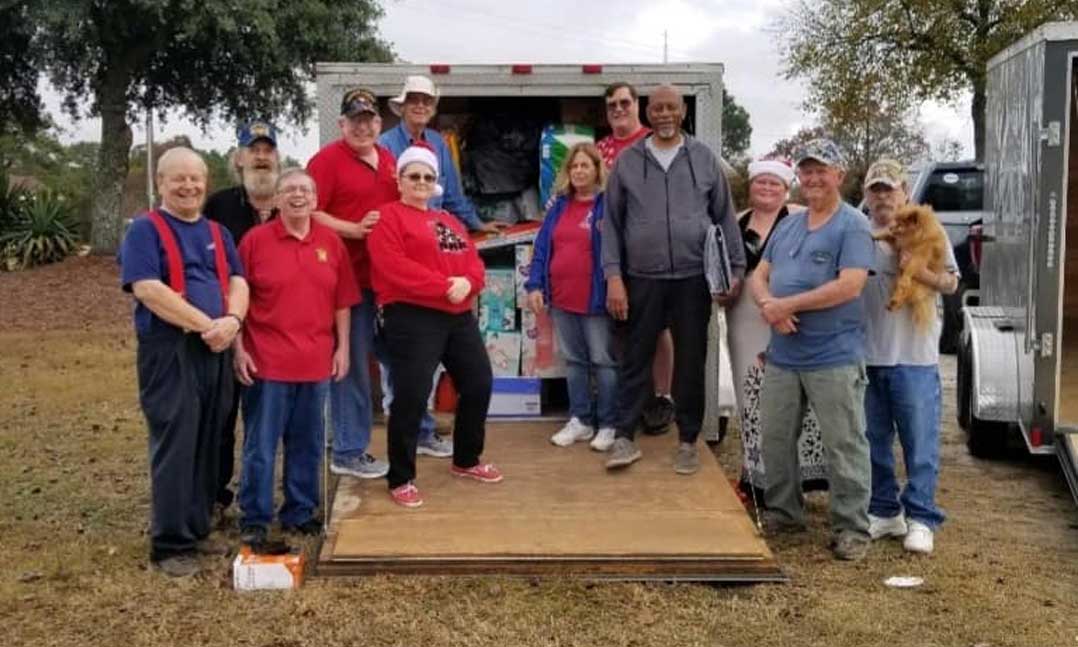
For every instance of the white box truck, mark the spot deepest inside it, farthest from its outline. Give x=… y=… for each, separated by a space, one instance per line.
x=556 y=94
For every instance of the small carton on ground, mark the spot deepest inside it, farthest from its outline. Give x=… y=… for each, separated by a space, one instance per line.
x=252 y=572
x=515 y=397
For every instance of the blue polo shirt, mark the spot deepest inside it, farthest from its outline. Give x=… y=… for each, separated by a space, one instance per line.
x=802 y=260
x=142 y=256
x=453 y=200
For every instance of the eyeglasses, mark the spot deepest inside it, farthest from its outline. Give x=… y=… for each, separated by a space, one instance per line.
x=624 y=104
x=298 y=188
x=417 y=177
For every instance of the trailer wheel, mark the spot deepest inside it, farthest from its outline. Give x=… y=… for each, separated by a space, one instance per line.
x=985 y=439
x=964 y=386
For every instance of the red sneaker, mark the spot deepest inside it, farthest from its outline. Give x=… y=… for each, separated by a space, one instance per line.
x=483 y=472
x=406 y=495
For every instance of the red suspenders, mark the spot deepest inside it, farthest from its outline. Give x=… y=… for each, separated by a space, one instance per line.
x=174 y=257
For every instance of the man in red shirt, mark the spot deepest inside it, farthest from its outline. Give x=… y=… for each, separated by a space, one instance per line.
x=355 y=175
x=623 y=115
x=295 y=339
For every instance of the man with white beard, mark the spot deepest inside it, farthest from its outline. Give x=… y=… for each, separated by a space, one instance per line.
x=256 y=166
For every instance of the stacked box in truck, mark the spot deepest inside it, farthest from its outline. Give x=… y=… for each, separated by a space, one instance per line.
x=1018 y=361
x=534 y=96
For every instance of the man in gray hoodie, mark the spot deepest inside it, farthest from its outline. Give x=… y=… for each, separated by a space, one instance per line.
x=663 y=195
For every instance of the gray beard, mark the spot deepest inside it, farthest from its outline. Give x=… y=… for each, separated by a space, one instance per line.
x=260 y=184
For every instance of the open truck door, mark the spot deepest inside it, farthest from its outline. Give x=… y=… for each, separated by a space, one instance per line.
x=1018 y=359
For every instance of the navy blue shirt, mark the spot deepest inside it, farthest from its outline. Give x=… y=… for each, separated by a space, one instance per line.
x=142 y=256
x=803 y=260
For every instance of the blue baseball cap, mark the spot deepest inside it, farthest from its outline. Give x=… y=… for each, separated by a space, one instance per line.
x=248 y=134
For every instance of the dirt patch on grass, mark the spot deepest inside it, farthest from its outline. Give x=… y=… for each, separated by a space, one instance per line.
x=81 y=293
x=74 y=503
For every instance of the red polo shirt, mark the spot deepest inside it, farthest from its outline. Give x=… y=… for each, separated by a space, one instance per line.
x=348 y=188
x=297 y=286
x=415 y=251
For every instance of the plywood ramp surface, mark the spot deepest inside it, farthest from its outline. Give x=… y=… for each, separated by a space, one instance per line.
x=558 y=512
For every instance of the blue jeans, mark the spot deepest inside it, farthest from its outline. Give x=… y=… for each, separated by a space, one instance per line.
x=426 y=423
x=587 y=344
x=350 y=399
x=906 y=400
x=288 y=412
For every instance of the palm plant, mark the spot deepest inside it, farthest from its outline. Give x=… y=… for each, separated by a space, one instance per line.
x=40 y=232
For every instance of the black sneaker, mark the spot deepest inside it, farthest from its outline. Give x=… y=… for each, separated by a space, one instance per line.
x=308 y=528
x=657 y=416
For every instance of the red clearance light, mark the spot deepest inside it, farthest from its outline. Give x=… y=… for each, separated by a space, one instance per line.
x=591 y=69
x=1036 y=437
x=522 y=69
x=439 y=68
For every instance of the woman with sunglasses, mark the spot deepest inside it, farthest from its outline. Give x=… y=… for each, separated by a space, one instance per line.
x=769 y=188
x=567 y=277
x=427 y=274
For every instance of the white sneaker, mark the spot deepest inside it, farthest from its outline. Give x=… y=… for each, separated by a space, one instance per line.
x=603 y=440
x=919 y=538
x=573 y=431
x=880 y=527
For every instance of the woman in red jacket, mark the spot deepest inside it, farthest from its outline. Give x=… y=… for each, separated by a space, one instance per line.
x=427 y=274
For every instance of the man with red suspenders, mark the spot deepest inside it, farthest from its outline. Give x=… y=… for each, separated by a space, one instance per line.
x=191 y=299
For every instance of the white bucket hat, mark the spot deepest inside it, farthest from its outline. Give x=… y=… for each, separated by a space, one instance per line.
x=418 y=84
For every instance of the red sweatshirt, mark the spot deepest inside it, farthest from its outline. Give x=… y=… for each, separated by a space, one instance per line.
x=413 y=254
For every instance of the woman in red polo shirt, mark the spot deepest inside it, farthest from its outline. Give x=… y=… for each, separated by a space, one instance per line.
x=427 y=274
x=294 y=340
x=567 y=276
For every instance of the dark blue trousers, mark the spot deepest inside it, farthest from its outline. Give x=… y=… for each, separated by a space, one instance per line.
x=185 y=391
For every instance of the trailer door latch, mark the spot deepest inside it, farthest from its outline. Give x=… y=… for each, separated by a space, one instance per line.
x=1047 y=343
x=1051 y=134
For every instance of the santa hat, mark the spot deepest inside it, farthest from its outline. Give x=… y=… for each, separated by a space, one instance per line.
x=777 y=167
x=423 y=154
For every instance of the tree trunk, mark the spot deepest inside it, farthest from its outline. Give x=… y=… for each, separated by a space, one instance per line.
x=977 y=110
x=112 y=164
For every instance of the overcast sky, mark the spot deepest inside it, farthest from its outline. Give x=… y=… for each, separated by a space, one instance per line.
x=732 y=32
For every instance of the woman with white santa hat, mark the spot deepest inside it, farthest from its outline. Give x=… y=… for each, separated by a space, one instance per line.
x=769 y=190
x=427 y=274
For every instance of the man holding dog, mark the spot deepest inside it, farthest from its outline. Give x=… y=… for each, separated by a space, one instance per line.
x=903 y=394
x=808 y=286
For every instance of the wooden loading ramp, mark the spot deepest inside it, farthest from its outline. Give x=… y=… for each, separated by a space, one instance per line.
x=557 y=513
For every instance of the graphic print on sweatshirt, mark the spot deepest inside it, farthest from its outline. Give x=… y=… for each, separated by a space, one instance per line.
x=448 y=240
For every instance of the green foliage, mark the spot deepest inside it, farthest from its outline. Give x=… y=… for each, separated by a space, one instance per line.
x=12 y=199
x=20 y=105
x=904 y=51
x=40 y=232
x=736 y=129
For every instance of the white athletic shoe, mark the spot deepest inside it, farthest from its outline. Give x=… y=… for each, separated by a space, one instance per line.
x=603 y=440
x=880 y=527
x=573 y=431
x=919 y=539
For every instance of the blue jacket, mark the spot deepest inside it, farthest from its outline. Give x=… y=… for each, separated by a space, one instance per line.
x=543 y=251
x=453 y=199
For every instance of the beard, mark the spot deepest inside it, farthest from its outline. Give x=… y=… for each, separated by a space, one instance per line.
x=260 y=183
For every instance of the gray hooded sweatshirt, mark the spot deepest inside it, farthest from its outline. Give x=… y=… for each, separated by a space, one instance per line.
x=656 y=221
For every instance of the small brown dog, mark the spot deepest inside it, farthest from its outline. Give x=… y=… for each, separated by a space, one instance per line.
x=917 y=232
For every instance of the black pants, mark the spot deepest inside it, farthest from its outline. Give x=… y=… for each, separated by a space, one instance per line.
x=417 y=339
x=185 y=391
x=684 y=305
x=227 y=461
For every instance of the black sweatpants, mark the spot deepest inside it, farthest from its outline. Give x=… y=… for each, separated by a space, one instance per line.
x=417 y=339
x=684 y=305
x=227 y=461
x=185 y=391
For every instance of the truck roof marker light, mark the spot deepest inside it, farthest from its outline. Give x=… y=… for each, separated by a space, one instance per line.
x=439 y=68
x=1036 y=437
x=591 y=69
x=522 y=69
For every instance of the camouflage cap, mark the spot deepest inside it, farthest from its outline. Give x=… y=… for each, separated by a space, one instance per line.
x=888 y=172
x=822 y=150
x=358 y=101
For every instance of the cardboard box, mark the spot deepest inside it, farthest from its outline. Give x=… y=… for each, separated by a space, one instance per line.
x=497 y=301
x=503 y=348
x=251 y=572
x=523 y=254
x=539 y=356
x=515 y=397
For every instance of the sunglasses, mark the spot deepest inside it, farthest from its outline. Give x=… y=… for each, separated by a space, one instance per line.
x=424 y=177
x=624 y=104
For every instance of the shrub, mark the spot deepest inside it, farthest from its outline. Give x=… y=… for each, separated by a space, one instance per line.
x=40 y=232
x=12 y=201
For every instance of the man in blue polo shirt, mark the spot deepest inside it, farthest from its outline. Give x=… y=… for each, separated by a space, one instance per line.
x=186 y=322
x=808 y=286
